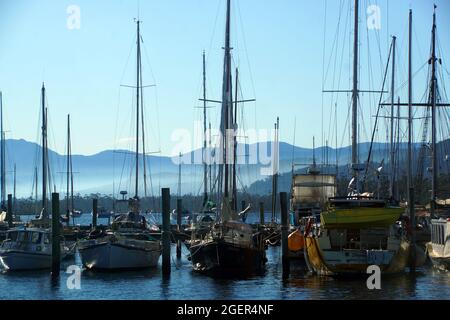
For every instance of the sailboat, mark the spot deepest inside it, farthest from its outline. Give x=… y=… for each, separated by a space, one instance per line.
x=231 y=247
x=357 y=230
x=128 y=243
x=30 y=247
x=438 y=248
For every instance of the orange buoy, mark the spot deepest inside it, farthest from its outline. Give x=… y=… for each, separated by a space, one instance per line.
x=296 y=242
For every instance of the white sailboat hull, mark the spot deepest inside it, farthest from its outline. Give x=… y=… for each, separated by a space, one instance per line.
x=115 y=256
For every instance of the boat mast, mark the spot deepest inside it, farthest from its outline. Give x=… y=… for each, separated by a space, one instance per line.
x=44 y=153
x=36 y=178
x=275 y=172
x=227 y=112
x=234 y=206
x=138 y=71
x=410 y=115
x=210 y=165
x=355 y=93
x=14 y=190
x=434 y=167
x=179 y=177
x=144 y=154
x=392 y=161
x=68 y=164
x=411 y=209
x=72 y=207
x=2 y=157
x=205 y=167
x=397 y=157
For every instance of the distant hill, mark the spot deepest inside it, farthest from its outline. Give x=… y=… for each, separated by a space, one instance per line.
x=100 y=173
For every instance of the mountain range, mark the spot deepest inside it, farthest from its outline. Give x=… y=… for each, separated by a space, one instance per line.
x=114 y=170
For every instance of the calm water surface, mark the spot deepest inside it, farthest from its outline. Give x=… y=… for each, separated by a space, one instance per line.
x=184 y=284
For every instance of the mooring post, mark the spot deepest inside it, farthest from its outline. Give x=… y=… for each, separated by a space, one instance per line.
x=179 y=213
x=56 y=248
x=94 y=213
x=284 y=234
x=9 y=212
x=166 y=231
x=261 y=213
x=412 y=220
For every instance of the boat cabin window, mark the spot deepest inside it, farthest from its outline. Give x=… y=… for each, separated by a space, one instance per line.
x=46 y=238
x=36 y=237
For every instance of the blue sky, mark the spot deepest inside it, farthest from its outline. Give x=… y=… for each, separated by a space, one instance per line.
x=278 y=47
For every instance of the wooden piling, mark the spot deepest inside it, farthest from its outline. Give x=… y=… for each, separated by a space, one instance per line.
x=412 y=220
x=284 y=235
x=56 y=248
x=261 y=213
x=166 y=231
x=179 y=222
x=9 y=212
x=94 y=213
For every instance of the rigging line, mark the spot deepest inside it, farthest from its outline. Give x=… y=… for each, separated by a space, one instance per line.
x=252 y=82
x=323 y=63
x=334 y=46
x=332 y=101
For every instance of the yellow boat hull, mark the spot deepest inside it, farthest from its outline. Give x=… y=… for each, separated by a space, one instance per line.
x=315 y=258
x=360 y=217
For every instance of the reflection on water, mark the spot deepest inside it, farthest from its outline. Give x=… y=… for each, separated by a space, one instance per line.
x=183 y=284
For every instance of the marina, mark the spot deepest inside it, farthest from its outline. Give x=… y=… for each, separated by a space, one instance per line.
x=184 y=284
x=362 y=215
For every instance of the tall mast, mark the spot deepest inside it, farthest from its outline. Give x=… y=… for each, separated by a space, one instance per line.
x=275 y=171
x=179 y=177
x=44 y=152
x=36 y=177
x=392 y=161
x=397 y=157
x=411 y=209
x=2 y=157
x=210 y=165
x=205 y=168
x=69 y=168
x=314 y=151
x=144 y=154
x=68 y=164
x=234 y=207
x=410 y=115
x=355 y=92
x=227 y=109
x=14 y=190
x=434 y=167
x=138 y=71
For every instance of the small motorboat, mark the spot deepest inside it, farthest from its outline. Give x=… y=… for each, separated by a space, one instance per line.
x=30 y=249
